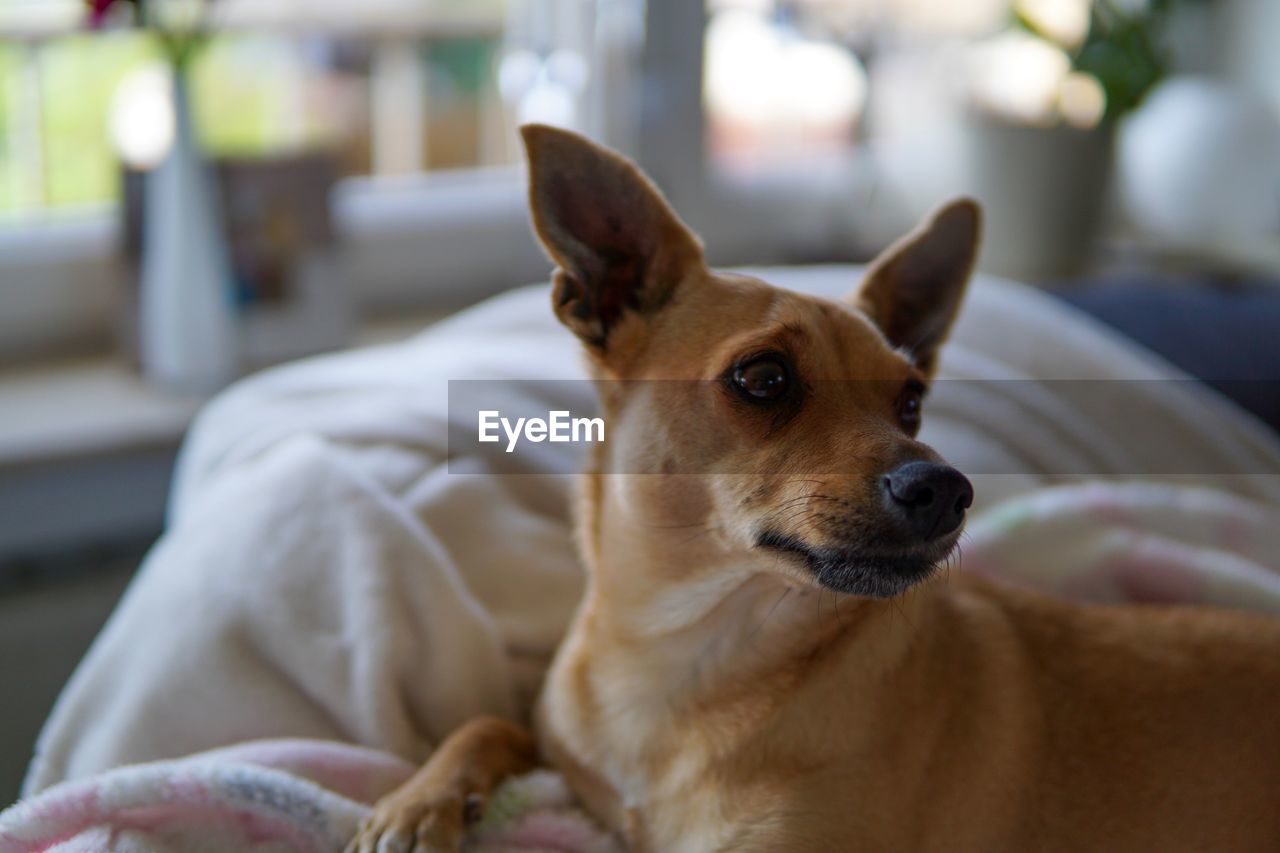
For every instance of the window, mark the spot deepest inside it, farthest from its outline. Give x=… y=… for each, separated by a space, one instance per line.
x=415 y=100
x=788 y=80
x=388 y=89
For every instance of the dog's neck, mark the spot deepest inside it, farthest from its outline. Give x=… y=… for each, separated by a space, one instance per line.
x=707 y=615
x=676 y=629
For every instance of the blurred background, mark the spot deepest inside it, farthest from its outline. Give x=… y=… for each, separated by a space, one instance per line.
x=349 y=171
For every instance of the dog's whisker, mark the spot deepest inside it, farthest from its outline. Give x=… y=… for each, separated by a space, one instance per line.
x=707 y=530
x=835 y=606
x=676 y=526
x=804 y=500
x=897 y=604
x=760 y=627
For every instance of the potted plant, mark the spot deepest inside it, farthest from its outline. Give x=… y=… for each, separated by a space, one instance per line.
x=1045 y=98
x=187 y=316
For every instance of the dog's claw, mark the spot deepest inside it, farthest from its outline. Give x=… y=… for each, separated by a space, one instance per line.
x=408 y=825
x=432 y=811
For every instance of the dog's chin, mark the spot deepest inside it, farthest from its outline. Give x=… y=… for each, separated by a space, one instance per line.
x=860 y=571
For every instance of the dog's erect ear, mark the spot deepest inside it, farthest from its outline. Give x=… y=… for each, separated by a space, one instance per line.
x=618 y=245
x=913 y=289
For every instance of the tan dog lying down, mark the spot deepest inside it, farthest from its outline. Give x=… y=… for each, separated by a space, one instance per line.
x=766 y=657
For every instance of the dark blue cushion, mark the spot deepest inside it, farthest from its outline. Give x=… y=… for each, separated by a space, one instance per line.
x=1226 y=335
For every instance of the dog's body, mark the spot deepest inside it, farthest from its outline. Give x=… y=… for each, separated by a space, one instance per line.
x=763 y=659
x=973 y=718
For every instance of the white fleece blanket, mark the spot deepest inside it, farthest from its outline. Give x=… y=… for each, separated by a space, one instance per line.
x=325 y=575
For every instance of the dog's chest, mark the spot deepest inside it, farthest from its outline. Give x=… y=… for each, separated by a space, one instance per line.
x=648 y=772
x=618 y=725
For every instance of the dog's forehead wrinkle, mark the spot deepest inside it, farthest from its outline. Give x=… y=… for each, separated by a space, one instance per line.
x=832 y=336
x=853 y=344
x=786 y=322
x=869 y=344
x=772 y=335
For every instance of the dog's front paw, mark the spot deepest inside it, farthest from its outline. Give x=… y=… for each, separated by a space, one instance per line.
x=407 y=822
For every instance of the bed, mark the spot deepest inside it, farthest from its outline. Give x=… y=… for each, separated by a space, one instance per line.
x=336 y=591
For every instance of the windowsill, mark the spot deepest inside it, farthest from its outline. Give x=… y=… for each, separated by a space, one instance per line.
x=84 y=407
x=66 y=409
x=422 y=242
x=417 y=243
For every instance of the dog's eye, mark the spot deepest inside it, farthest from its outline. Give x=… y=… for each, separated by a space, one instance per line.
x=765 y=378
x=910 y=407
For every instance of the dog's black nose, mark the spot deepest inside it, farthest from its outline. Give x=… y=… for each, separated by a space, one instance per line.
x=929 y=498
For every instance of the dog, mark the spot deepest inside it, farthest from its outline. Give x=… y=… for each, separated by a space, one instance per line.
x=767 y=657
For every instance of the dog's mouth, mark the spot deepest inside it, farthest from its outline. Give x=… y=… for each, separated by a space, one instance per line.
x=862 y=571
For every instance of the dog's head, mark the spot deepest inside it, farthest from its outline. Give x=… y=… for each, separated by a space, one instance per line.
x=789 y=435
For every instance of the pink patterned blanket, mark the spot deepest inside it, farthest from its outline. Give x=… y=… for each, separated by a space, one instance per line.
x=275 y=795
